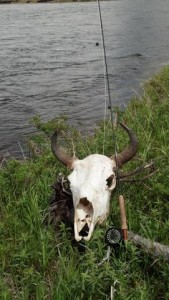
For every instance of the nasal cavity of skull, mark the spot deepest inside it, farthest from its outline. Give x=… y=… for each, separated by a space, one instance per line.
x=86 y=206
x=110 y=180
x=84 y=202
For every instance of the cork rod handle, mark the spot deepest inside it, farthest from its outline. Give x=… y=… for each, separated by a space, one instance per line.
x=123 y=217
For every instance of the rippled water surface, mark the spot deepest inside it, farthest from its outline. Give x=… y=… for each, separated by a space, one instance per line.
x=50 y=64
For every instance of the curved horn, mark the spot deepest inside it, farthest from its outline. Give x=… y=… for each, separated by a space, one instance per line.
x=129 y=152
x=59 y=153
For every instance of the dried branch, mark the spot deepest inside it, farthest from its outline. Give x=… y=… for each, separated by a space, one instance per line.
x=106 y=258
x=149 y=167
x=150 y=247
x=22 y=151
x=139 y=179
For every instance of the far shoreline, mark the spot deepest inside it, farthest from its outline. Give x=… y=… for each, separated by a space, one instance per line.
x=3 y=2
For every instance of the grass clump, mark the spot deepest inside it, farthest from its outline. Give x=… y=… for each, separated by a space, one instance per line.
x=38 y=262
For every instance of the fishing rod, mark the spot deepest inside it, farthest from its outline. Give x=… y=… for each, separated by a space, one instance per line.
x=105 y=60
x=114 y=236
x=113 y=119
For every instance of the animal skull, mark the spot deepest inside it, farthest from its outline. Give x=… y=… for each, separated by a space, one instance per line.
x=91 y=182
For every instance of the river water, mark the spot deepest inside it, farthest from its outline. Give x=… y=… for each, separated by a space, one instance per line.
x=50 y=64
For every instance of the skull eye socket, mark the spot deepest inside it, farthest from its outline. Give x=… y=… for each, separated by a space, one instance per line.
x=110 y=180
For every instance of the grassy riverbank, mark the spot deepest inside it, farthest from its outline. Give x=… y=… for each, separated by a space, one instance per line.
x=39 y=263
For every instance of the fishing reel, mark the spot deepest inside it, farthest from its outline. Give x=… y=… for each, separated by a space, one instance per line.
x=114 y=237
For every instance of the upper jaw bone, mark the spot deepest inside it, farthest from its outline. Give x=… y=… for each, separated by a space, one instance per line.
x=76 y=232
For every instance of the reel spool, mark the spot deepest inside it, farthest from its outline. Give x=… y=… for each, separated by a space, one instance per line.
x=113 y=236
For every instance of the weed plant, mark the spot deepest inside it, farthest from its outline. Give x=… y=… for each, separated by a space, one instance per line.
x=39 y=262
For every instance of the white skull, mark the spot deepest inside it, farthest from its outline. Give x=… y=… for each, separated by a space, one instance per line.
x=91 y=182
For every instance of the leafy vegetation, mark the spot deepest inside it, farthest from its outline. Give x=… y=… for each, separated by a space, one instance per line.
x=38 y=262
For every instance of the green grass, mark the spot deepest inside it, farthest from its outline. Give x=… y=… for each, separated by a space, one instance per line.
x=38 y=262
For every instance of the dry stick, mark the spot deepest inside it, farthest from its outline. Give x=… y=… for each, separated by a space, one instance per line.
x=153 y=248
x=24 y=157
x=138 y=170
x=139 y=180
x=115 y=120
x=106 y=258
